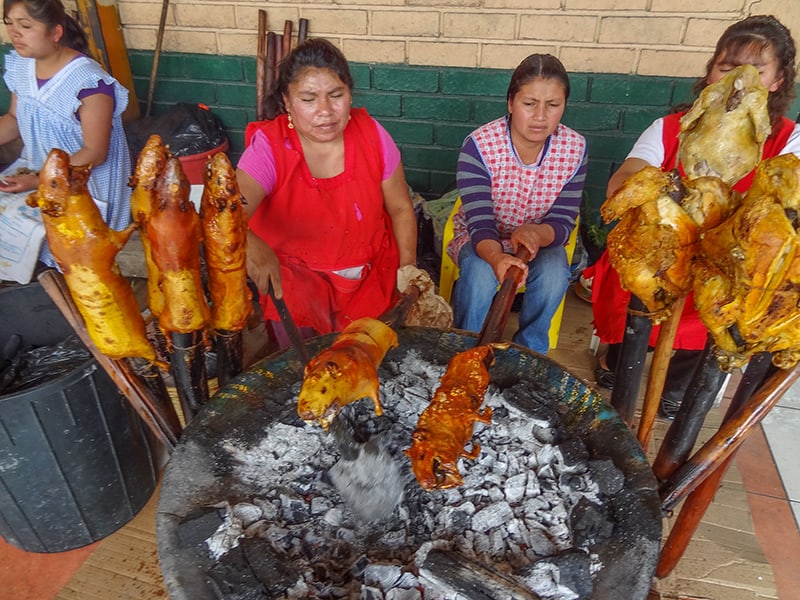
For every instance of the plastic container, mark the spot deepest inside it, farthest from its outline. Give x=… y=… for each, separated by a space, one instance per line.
x=76 y=461
x=194 y=164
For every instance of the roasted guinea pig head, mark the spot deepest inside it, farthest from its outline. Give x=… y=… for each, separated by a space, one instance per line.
x=345 y=372
x=747 y=290
x=445 y=427
x=723 y=134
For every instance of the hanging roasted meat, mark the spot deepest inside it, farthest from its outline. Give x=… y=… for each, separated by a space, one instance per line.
x=747 y=285
x=224 y=245
x=661 y=217
x=149 y=166
x=723 y=134
x=346 y=371
x=445 y=427
x=85 y=249
x=175 y=235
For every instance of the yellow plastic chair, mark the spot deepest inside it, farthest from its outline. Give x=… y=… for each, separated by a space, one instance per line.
x=449 y=271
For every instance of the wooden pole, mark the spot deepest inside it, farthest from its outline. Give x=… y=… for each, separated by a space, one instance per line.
x=497 y=317
x=658 y=371
x=156 y=56
x=261 y=66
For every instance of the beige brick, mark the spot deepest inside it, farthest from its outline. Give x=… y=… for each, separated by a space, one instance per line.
x=217 y=16
x=374 y=51
x=672 y=63
x=380 y=3
x=237 y=43
x=508 y=56
x=336 y=21
x=417 y=23
x=559 y=28
x=787 y=12
x=640 y=30
x=139 y=39
x=601 y=5
x=247 y=18
x=484 y=25
x=444 y=53
x=200 y=42
x=523 y=4
x=686 y=6
x=704 y=33
x=144 y=13
x=441 y=3
x=598 y=60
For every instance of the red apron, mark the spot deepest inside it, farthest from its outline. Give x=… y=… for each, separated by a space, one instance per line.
x=610 y=301
x=317 y=226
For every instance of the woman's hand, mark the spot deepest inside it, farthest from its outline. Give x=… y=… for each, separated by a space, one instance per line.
x=501 y=262
x=263 y=266
x=532 y=236
x=14 y=184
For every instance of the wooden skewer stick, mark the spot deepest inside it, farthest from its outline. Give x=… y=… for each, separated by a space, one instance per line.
x=658 y=371
x=302 y=31
x=727 y=439
x=261 y=65
x=155 y=412
x=497 y=317
x=287 y=38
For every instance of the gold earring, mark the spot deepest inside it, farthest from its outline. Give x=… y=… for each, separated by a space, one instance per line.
x=291 y=125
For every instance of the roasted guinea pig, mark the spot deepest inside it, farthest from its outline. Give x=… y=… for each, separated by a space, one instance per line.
x=149 y=166
x=224 y=245
x=723 y=134
x=747 y=285
x=346 y=371
x=661 y=217
x=445 y=427
x=175 y=235
x=86 y=249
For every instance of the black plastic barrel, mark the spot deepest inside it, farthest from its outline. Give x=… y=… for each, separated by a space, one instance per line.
x=76 y=461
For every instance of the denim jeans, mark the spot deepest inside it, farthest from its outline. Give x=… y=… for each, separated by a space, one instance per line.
x=547 y=281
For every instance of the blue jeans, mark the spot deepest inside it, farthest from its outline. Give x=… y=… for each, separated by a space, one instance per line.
x=545 y=286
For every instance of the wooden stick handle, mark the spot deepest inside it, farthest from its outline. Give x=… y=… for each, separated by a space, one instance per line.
x=261 y=66
x=497 y=317
x=145 y=405
x=302 y=31
x=287 y=38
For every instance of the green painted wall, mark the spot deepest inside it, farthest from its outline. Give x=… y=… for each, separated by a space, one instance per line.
x=428 y=110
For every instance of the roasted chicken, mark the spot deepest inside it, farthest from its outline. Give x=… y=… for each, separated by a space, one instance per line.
x=723 y=134
x=661 y=217
x=747 y=286
x=149 y=166
x=446 y=425
x=86 y=249
x=346 y=371
x=175 y=235
x=224 y=245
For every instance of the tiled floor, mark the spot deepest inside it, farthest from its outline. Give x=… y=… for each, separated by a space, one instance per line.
x=746 y=548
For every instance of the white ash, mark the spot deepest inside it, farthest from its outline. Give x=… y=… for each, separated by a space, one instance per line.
x=512 y=510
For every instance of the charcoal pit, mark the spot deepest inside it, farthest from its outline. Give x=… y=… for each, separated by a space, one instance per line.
x=561 y=503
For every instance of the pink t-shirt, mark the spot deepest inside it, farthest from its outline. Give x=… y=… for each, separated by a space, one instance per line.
x=258 y=162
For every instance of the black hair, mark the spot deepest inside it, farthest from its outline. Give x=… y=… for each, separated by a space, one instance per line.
x=315 y=53
x=52 y=13
x=757 y=33
x=545 y=66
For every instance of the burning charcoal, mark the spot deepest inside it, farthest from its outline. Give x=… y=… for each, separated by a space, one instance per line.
x=196 y=527
x=574 y=454
x=382 y=576
x=589 y=523
x=574 y=482
x=514 y=488
x=272 y=571
x=294 y=510
x=403 y=594
x=460 y=578
x=370 y=593
x=538 y=541
x=491 y=516
x=333 y=517
x=454 y=520
x=247 y=513
x=320 y=505
x=565 y=576
x=607 y=475
x=546 y=434
x=269 y=509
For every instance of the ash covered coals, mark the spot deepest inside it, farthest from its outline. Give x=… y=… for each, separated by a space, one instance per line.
x=531 y=510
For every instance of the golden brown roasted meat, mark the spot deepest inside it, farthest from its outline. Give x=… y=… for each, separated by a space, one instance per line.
x=346 y=371
x=86 y=249
x=747 y=287
x=175 y=235
x=661 y=217
x=149 y=166
x=445 y=426
x=224 y=245
x=723 y=134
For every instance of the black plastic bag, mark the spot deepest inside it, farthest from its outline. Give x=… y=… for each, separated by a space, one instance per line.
x=186 y=128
